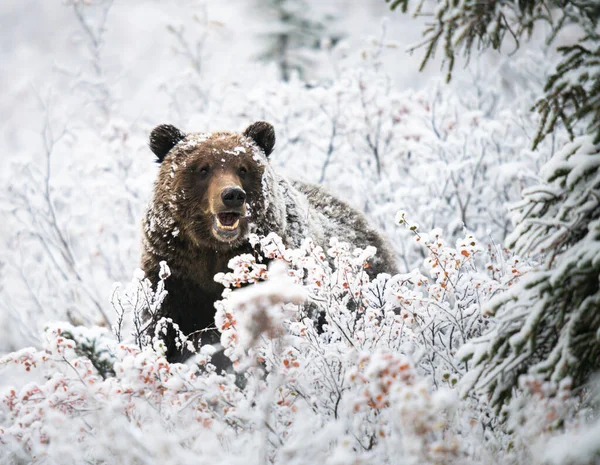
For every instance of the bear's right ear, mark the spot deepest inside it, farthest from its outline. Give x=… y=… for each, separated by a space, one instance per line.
x=163 y=138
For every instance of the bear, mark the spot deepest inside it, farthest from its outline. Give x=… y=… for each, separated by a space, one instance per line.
x=212 y=191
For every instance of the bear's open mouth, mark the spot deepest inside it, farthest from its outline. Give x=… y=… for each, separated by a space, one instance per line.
x=228 y=221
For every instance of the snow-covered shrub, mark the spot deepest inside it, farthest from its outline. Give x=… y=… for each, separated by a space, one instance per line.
x=375 y=383
x=451 y=158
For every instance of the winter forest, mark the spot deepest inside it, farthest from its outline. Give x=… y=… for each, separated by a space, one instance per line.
x=467 y=132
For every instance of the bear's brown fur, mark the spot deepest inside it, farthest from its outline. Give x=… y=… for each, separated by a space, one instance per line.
x=214 y=189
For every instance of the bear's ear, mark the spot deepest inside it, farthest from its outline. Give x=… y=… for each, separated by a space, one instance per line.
x=163 y=138
x=263 y=134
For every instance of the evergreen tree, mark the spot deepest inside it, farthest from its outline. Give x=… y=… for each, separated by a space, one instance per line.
x=295 y=30
x=548 y=326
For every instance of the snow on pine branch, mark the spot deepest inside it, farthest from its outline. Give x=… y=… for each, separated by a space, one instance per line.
x=547 y=325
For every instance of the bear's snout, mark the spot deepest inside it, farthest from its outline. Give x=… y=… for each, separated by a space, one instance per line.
x=233 y=197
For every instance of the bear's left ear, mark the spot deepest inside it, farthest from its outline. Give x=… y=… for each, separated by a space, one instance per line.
x=263 y=134
x=163 y=138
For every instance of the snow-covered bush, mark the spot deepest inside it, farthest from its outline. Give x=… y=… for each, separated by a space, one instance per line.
x=452 y=157
x=375 y=383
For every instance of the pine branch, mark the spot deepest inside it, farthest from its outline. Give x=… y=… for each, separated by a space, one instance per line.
x=572 y=92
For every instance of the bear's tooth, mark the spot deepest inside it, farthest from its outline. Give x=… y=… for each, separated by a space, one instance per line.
x=227 y=228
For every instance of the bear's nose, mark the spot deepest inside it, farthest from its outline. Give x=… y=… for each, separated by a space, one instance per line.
x=233 y=197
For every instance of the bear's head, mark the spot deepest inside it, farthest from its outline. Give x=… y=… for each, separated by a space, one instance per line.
x=210 y=187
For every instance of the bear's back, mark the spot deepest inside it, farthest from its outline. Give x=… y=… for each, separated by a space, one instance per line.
x=331 y=217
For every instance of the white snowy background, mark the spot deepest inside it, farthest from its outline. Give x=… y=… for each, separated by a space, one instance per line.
x=84 y=82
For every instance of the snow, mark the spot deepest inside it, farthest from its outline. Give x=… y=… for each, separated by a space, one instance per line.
x=392 y=377
x=579 y=447
x=236 y=151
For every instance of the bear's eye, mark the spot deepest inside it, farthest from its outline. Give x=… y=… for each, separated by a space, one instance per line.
x=202 y=171
x=242 y=171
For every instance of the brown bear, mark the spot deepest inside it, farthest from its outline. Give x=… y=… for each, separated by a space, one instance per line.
x=212 y=191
